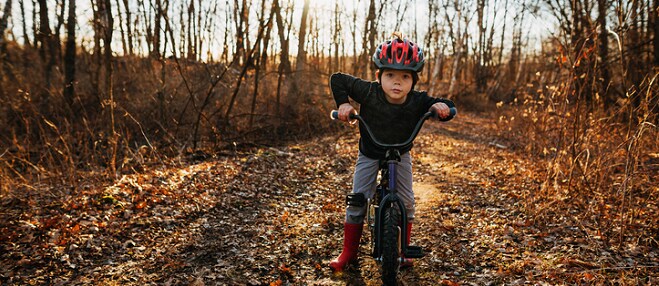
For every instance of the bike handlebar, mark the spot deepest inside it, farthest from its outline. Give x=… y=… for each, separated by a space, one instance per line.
x=334 y=114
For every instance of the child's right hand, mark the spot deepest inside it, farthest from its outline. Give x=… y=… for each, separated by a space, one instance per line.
x=344 y=112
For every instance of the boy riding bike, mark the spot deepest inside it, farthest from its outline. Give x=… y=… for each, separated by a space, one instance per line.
x=392 y=108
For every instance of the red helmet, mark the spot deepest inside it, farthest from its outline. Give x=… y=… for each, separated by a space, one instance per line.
x=399 y=54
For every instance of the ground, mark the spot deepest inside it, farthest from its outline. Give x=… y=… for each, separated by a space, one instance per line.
x=259 y=215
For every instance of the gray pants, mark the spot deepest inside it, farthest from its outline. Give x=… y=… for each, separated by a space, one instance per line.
x=365 y=181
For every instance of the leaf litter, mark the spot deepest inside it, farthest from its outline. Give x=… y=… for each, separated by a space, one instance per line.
x=274 y=216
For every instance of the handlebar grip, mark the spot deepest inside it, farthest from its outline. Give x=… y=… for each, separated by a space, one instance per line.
x=334 y=115
x=454 y=111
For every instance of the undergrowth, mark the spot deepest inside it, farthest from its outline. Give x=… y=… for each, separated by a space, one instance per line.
x=600 y=165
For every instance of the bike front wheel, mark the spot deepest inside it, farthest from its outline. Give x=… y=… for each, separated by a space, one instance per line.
x=390 y=243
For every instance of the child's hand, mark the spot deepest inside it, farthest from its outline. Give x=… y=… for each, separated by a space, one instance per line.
x=344 y=112
x=441 y=109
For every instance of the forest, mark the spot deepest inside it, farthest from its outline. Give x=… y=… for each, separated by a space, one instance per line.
x=188 y=142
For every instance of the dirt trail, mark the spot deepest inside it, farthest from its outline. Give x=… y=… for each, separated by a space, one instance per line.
x=274 y=216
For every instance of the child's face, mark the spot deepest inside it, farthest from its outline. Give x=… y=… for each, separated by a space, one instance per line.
x=396 y=85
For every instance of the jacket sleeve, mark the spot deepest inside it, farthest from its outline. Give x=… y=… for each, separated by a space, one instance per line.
x=345 y=86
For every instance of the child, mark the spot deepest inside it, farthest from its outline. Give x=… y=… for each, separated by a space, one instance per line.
x=392 y=108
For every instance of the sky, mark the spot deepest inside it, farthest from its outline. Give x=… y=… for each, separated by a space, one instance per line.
x=414 y=22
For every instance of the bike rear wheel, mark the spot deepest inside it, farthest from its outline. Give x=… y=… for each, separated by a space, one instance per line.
x=390 y=243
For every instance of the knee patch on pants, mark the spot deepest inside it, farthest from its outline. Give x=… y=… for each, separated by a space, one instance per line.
x=356 y=200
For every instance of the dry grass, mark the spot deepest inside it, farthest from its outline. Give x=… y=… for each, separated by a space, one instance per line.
x=162 y=108
x=601 y=166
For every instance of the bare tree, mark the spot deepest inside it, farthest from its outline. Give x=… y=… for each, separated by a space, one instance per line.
x=479 y=48
x=193 y=32
x=262 y=60
x=57 y=30
x=26 y=38
x=156 y=42
x=459 y=38
x=336 y=38
x=225 y=41
x=353 y=33
x=47 y=51
x=105 y=13
x=124 y=43
x=633 y=43
x=368 y=40
x=246 y=66
x=3 y=45
x=301 y=59
x=3 y=26
x=70 y=56
x=602 y=8
x=147 y=25
x=129 y=28
x=655 y=31
x=241 y=16
x=284 y=63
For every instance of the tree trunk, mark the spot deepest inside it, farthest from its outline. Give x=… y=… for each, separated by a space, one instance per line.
x=634 y=64
x=353 y=33
x=609 y=99
x=479 y=74
x=284 y=63
x=155 y=50
x=57 y=44
x=459 y=46
x=225 y=41
x=26 y=39
x=655 y=41
x=3 y=26
x=129 y=29
x=47 y=53
x=260 y=61
x=98 y=57
x=147 y=26
x=655 y=28
x=250 y=55
x=106 y=25
x=124 y=43
x=70 y=57
x=109 y=28
x=191 y=50
x=337 y=39
x=3 y=45
x=368 y=40
x=301 y=58
x=47 y=49
x=457 y=58
x=241 y=30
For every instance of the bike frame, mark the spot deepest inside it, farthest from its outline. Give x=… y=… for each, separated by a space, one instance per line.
x=386 y=202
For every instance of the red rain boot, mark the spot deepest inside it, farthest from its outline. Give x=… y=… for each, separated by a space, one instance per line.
x=407 y=262
x=351 y=234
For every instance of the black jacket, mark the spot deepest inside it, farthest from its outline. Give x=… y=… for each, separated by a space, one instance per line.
x=390 y=123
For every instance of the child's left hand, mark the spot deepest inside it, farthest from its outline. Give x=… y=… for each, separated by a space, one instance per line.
x=441 y=109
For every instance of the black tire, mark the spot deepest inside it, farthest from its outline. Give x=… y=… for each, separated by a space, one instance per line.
x=390 y=263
